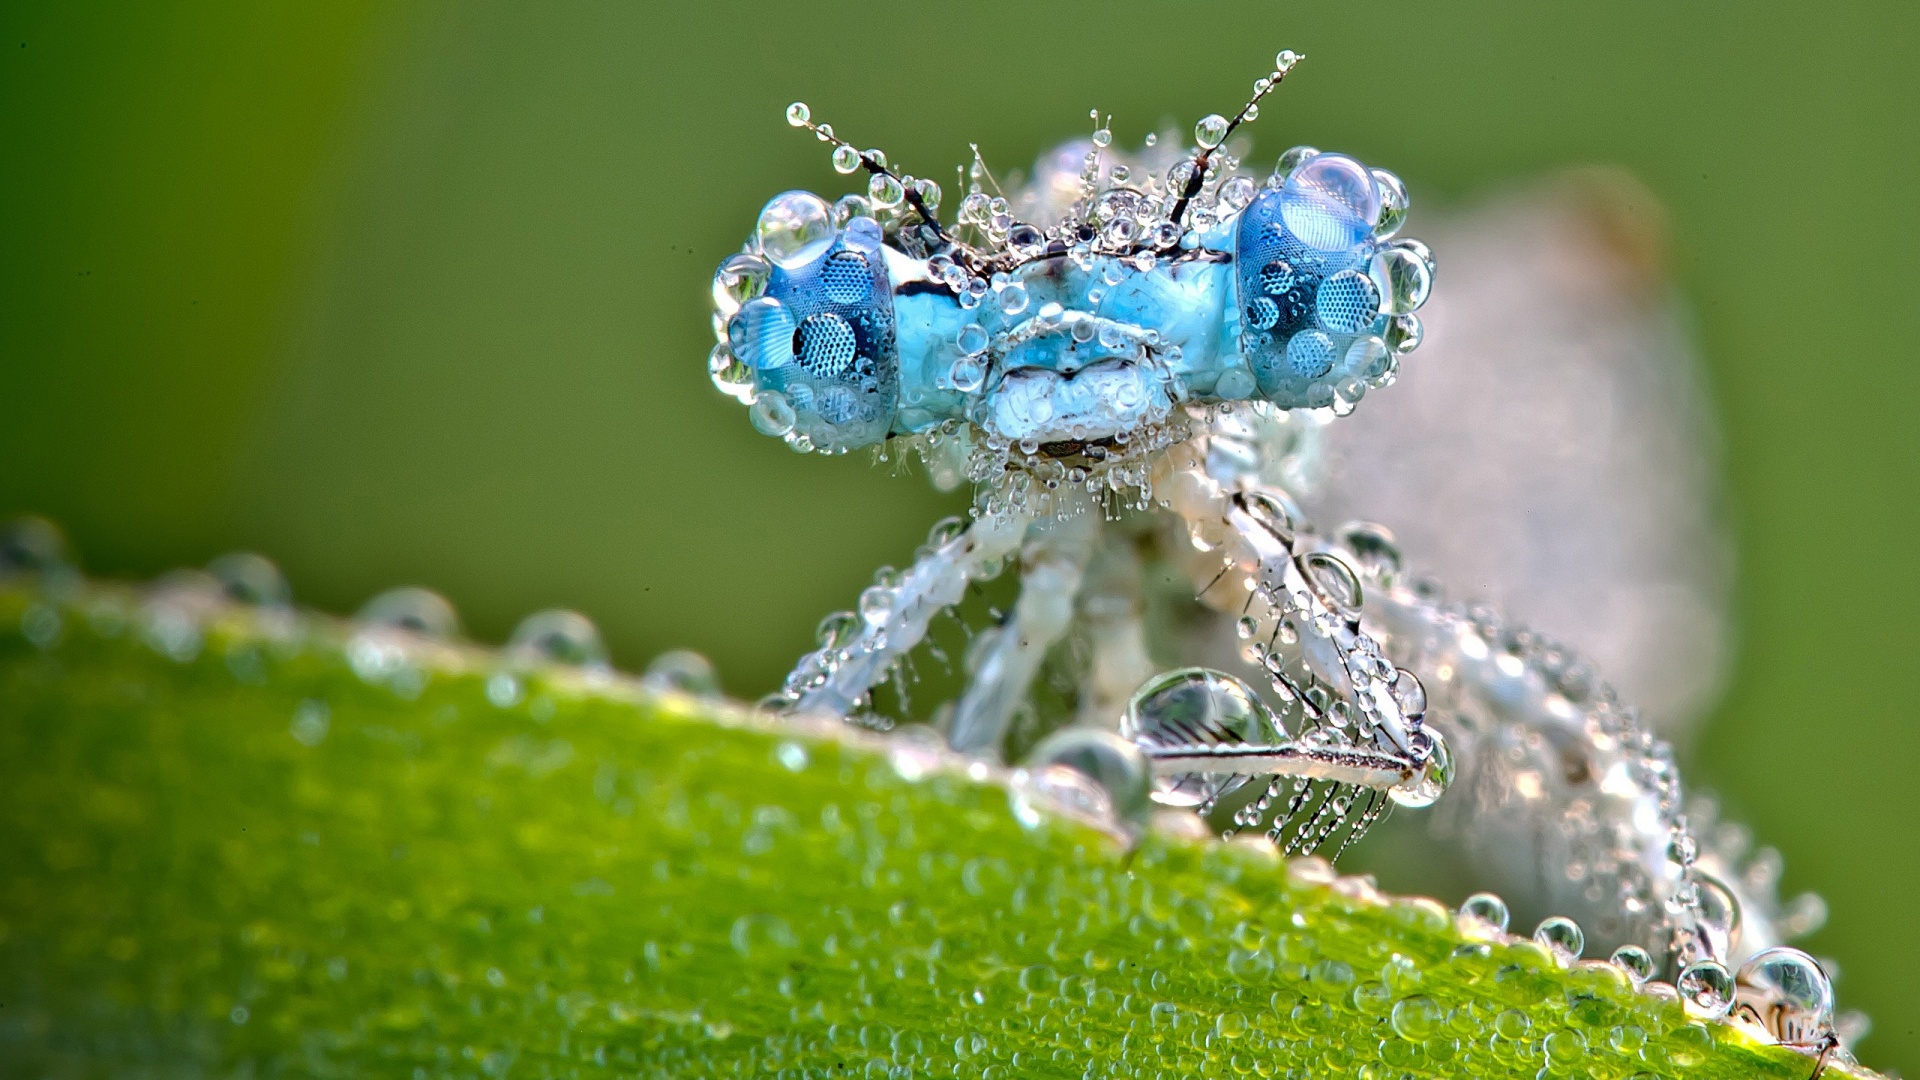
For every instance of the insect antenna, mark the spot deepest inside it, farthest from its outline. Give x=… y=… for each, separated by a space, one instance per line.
x=1282 y=64
x=800 y=116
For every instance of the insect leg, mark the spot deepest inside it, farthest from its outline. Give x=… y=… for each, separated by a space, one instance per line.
x=1051 y=569
x=861 y=650
x=1110 y=604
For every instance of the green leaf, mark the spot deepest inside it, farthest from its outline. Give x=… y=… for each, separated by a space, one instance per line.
x=245 y=842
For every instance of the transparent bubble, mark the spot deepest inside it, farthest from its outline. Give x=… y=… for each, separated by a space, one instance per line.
x=1170 y=709
x=771 y=414
x=1415 y=1018
x=845 y=159
x=1562 y=937
x=1565 y=1047
x=414 y=610
x=798 y=114
x=862 y=232
x=1284 y=60
x=1107 y=759
x=1292 y=160
x=1210 y=131
x=1330 y=202
x=850 y=208
x=31 y=545
x=1433 y=779
x=972 y=339
x=794 y=229
x=1790 y=993
x=1375 y=552
x=558 y=636
x=1393 y=204
x=885 y=190
x=929 y=193
x=1235 y=194
x=969 y=374
x=1404 y=333
x=1403 y=278
x=1512 y=1024
x=1707 y=988
x=1635 y=961
x=682 y=671
x=251 y=579
x=1487 y=908
x=729 y=375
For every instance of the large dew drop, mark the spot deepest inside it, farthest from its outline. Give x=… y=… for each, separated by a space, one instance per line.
x=795 y=227
x=1790 y=993
x=1330 y=202
x=558 y=637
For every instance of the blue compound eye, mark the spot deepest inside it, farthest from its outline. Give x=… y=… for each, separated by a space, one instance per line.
x=1317 y=288
x=819 y=341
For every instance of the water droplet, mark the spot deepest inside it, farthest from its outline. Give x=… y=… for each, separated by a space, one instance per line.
x=1707 y=988
x=1112 y=762
x=1330 y=203
x=1291 y=160
x=1013 y=298
x=1434 y=777
x=413 y=610
x=1171 y=709
x=1512 y=1024
x=682 y=671
x=1415 y=1018
x=1403 y=277
x=1404 y=333
x=1393 y=204
x=1284 y=60
x=558 y=636
x=1235 y=194
x=251 y=579
x=771 y=413
x=1230 y=1025
x=1635 y=961
x=969 y=374
x=1335 y=581
x=972 y=339
x=885 y=190
x=794 y=229
x=740 y=278
x=798 y=114
x=1562 y=937
x=1376 y=554
x=1790 y=993
x=1211 y=129
x=845 y=159
x=1565 y=1047
x=31 y=545
x=1487 y=908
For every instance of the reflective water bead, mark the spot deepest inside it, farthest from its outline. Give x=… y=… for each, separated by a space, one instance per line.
x=1209 y=132
x=969 y=373
x=1564 y=1047
x=682 y=671
x=1404 y=333
x=1415 y=1018
x=251 y=579
x=1108 y=760
x=885 y=190
x=794 y=228
x=1393 y=204
x=972 y=339
x=929 y=193
x=1635 y=961
x=1433 y=779
x=739 y=279
x=1284 y=60
x=1487 y=908
x=31 y=545
x=1013 y=298
x=772 y=413
x=414 y=610
x=729 y=375
x=1790 y=993
x=1707 y=988
x=1404 y=279
x=1512 y=1024
x=845 y=159
x=1563 y=937
x=1235 y=194
x=1330 y=202
x=798 y=114
x=558 y=636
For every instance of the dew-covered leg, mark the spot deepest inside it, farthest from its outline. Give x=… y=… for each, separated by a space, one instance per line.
x=858 y=650
x=1051 y=569
x=1111 y=608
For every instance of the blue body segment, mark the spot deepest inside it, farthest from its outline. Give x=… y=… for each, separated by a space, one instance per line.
x=1287 y=300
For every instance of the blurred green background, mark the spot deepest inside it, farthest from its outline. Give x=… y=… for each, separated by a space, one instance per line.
x=416 y=293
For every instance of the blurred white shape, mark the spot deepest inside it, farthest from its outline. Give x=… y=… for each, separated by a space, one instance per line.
x=1552 y=451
